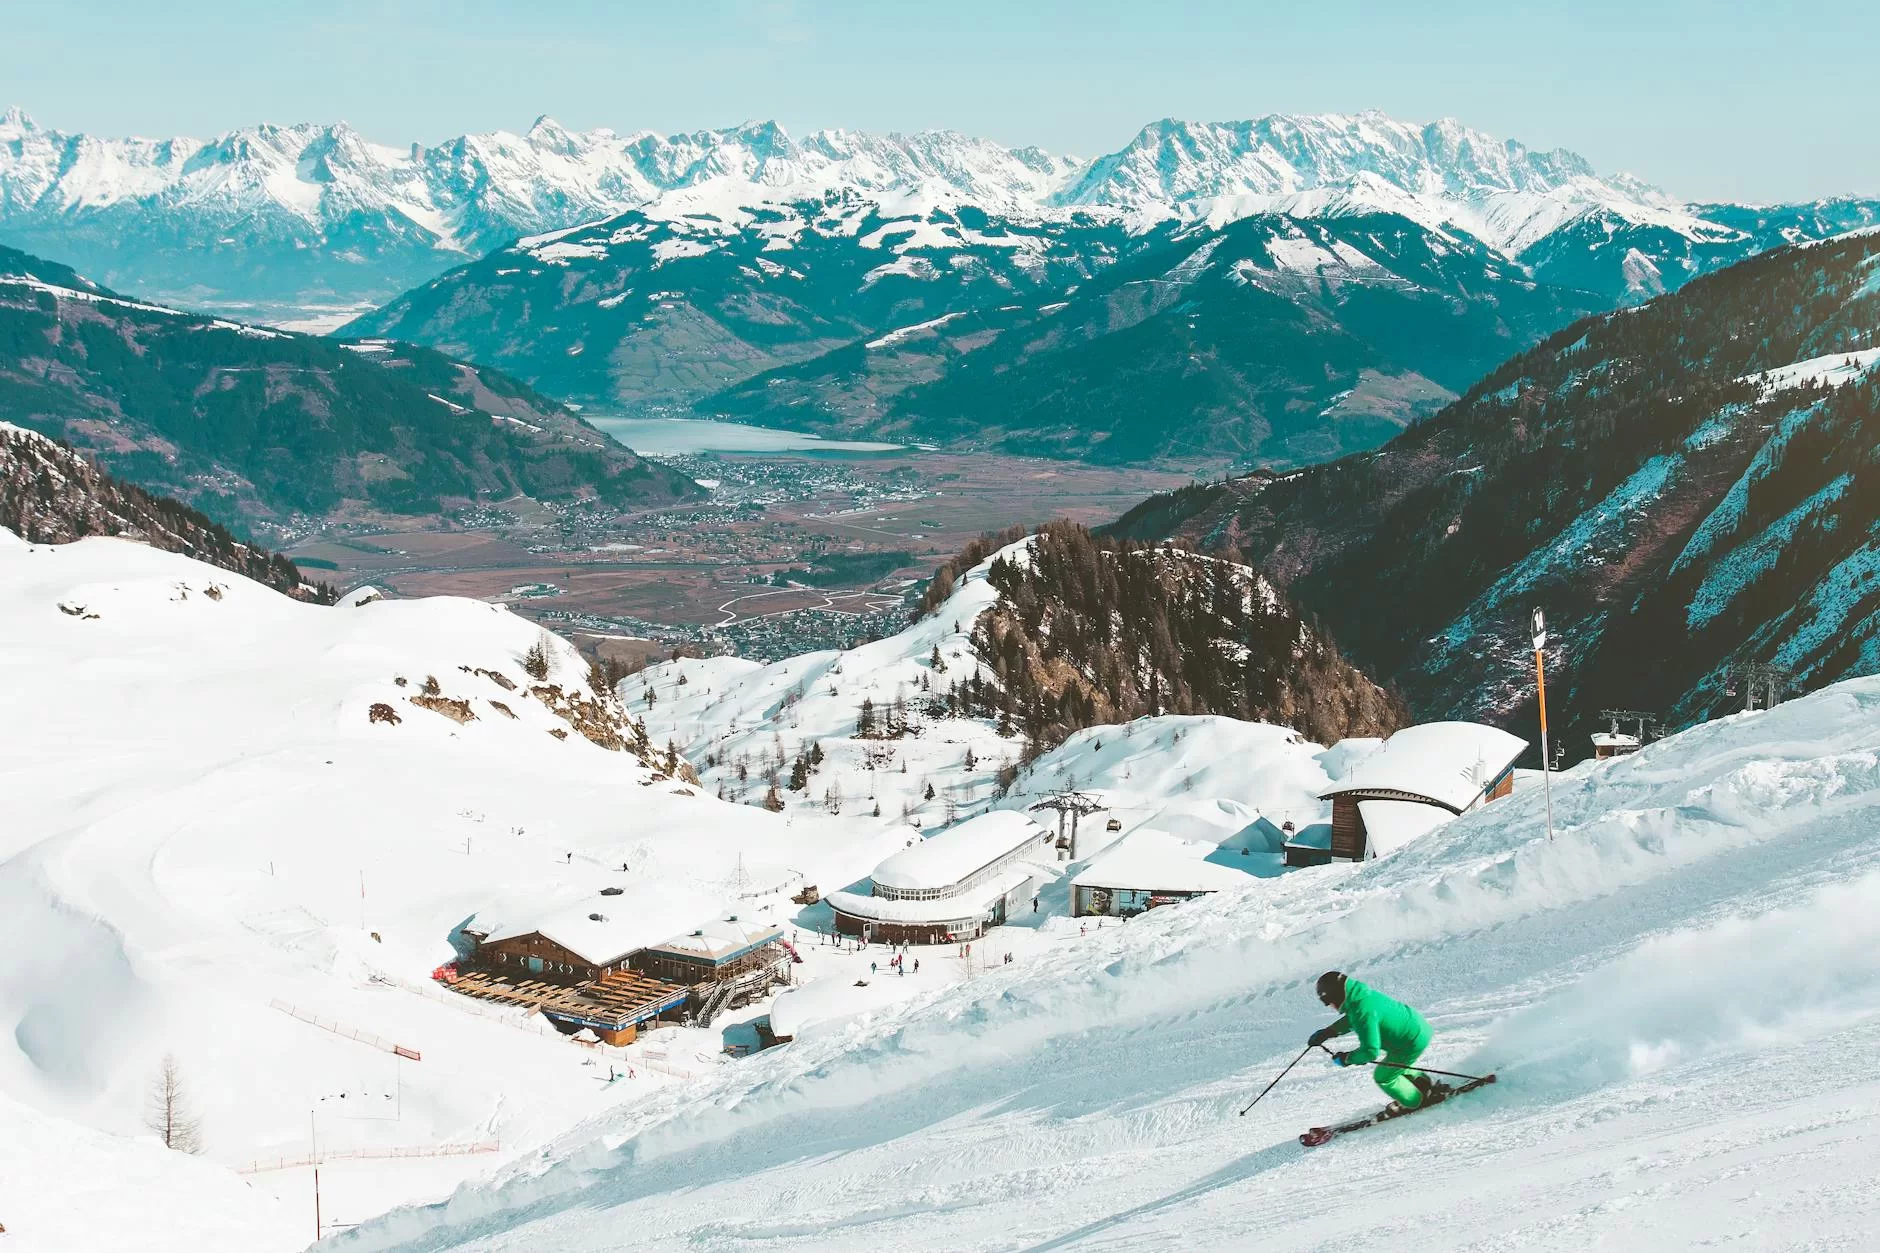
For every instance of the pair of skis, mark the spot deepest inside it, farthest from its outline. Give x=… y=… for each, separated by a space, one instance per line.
x=1439 y=1092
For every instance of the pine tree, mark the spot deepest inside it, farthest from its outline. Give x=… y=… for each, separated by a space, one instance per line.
x=773 y=800
x=535 y=661
x=865 y=722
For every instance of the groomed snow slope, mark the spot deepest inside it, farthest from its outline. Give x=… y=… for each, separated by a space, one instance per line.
x=201 y=816
x=1681 y=994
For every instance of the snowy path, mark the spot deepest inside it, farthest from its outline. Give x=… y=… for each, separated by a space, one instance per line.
x=1681 y=995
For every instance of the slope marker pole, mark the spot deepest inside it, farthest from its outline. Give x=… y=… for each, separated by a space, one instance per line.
x=1540 y=687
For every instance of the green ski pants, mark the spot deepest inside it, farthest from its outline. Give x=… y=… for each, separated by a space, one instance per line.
x=1393 y=1074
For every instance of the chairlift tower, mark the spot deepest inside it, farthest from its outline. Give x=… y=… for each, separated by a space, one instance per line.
x=1615 y=741
x=1073 y=804
x=1753 y=679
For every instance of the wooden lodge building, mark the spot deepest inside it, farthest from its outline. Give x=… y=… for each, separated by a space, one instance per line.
x=611 y=962
x=1420 y=778
x=950 y=886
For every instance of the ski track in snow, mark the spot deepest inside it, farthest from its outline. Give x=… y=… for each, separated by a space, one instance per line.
x=1679 y=993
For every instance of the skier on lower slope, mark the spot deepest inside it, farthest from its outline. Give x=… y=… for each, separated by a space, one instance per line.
x=1384 y=1027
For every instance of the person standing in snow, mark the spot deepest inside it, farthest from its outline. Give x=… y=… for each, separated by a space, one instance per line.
x=1385 y=1028
x=871 y=968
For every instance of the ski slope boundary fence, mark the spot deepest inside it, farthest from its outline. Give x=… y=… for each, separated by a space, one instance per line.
x=262 y=1165
x=534 y=1024
x=350 y=1033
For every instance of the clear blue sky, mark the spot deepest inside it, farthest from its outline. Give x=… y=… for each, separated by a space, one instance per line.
x=1709 y=100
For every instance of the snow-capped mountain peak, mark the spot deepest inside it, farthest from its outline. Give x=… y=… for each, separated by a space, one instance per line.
x=304 y=213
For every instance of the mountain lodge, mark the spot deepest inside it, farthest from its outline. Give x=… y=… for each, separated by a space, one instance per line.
x=616 y=960
x=1420 y=778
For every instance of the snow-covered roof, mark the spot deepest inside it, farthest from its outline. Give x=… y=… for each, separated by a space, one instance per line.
x=944 y=859
x=720 y=939
x=1446 y=763
x=967 y=906
x=1611 y=739
x=1389 y=825
x=1156 y=861
x=832 y=999
x=603 y=929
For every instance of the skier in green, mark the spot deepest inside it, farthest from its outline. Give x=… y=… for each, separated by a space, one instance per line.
x=1385 y=1028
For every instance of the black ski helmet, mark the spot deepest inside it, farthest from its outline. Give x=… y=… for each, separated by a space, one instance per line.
x=1331 y=989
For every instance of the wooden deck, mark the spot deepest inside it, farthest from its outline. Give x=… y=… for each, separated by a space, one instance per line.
x=623 y=997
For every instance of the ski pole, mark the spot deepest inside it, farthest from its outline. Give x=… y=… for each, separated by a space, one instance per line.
x=1281 y=1075
x=1428 y=1070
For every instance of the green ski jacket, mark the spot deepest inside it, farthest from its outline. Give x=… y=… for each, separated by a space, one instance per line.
x=1381 y=1024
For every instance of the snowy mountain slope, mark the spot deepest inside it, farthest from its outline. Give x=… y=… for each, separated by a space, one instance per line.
x=242 y=830
x=260 y=426
x=744 y=725
x=1676 y=492
x=1677 y=992
x=659 y=306
x=1277 y=341
x=941 y=719
x=1282 y=340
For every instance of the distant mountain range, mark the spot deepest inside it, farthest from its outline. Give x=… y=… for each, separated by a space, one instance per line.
x=267 y=429
x=1681 y=486
x=318 y=215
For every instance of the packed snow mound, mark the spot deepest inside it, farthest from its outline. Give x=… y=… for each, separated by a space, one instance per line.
x=244 y=830
x=1680 y=991
x=1170 y=772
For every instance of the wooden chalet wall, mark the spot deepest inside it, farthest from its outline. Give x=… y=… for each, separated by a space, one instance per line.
x=1348 y=835
x=692 y=970
x=559 y=965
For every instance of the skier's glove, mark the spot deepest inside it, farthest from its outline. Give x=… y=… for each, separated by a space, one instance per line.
x=1338 y=1059
x=1319 y=1037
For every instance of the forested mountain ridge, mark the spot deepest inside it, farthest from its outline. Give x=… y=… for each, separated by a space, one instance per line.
x=1681 y=485
x=1089 y=630
x=260 y=427
x=1280 y=339
x=49 y=494
x=648 y=312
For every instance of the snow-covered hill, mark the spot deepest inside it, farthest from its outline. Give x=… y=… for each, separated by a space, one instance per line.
x=1679 y=993
x=241 y=830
